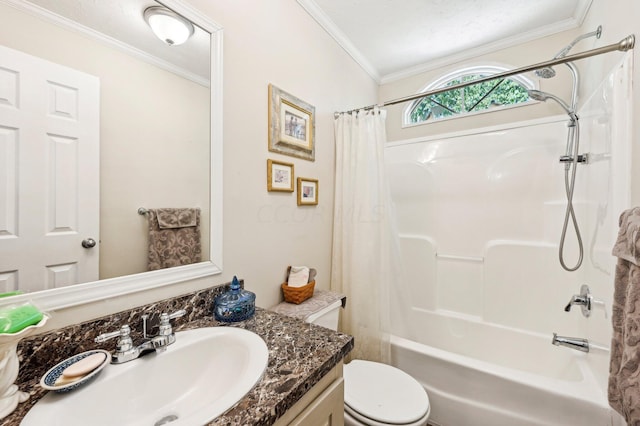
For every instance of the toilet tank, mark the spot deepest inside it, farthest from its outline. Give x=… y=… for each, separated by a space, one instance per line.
x=327 y=317
x=322 y=309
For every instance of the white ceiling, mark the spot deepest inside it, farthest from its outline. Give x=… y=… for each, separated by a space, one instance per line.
x=395 y=38
x=123 y=21
x=390 y=39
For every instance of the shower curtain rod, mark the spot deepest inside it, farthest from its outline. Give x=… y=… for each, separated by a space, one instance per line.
x=625 y=44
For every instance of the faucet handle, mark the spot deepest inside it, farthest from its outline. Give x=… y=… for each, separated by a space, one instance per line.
x=575 y=300
x=165 y=324
x=124 y=344
x=125 y=351
x=176 y=314
x=124 y=332
x=584 y=299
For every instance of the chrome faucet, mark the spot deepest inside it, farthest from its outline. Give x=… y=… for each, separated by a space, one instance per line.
x=165 y=336
x=584 y=300
x=126 y=351
x=571 y=342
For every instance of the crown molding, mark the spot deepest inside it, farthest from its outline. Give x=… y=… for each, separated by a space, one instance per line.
x=581 y=11
x=327 y=24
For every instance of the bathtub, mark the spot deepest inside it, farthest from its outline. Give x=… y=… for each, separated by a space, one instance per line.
x=504 y=378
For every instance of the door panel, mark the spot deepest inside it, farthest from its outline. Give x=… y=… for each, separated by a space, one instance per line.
x=49 y=180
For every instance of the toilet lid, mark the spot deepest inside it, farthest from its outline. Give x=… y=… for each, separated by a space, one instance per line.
x=383 y=393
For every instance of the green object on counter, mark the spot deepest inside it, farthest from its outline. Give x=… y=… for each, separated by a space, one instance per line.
x=16 y=318
x=11 y=293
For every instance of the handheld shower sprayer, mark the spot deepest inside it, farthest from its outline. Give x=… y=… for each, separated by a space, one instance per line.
x=570 y=160
x=549 y=72
x=541 y=96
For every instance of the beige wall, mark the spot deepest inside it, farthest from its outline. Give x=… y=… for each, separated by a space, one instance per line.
x=147 y=117
x=277 y=42
x=267 y=42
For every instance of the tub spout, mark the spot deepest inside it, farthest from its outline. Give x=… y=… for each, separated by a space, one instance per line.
x=571 y=342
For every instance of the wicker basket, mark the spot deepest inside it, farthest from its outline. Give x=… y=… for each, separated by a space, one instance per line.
x=298 y=295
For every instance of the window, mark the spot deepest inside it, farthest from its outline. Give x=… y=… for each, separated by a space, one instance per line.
x=501 y=93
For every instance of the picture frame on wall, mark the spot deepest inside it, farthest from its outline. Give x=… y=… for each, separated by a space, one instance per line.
x=291 y=125
x=307 y=192
x=279 y=176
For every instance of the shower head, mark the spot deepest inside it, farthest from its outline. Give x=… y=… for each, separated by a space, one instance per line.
x=565 y=51
x=544 y=96
x=550 y=72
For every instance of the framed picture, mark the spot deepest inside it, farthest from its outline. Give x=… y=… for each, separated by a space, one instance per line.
x=279 y=176
x=307 y=192
x=291 y=125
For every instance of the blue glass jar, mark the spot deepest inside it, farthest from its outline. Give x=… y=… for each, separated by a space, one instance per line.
x=234 y=305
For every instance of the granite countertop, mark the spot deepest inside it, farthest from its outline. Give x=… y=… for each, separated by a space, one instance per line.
x=300 y=354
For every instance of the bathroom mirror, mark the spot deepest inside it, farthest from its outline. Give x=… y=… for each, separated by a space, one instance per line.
x=131 y=168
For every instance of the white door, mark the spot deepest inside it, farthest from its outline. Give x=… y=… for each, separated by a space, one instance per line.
x=49 y=174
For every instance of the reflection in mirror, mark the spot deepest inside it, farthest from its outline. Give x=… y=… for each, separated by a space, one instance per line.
x=127 y=125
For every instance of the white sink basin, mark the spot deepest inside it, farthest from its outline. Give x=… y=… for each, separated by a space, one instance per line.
x=203 y=374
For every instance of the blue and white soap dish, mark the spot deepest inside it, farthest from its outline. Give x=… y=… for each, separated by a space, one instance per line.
x=48 y=381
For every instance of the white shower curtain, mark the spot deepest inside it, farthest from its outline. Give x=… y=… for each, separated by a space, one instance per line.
x=365 y=255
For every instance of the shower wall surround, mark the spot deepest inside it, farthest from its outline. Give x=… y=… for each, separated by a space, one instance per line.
x=479 y=218
x=300 y=354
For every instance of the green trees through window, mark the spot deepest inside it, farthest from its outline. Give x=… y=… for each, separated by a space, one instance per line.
x=477 y=97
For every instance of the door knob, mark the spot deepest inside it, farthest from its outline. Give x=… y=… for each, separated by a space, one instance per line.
x=88 y=243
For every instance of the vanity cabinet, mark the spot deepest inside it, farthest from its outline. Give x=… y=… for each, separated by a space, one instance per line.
x=323 y=405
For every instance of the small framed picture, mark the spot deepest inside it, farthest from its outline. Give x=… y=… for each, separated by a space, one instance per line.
x=291 y=125
x=307 y=192
x=279 y=176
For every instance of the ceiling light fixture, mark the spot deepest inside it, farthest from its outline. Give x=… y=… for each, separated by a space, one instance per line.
x=167 y=25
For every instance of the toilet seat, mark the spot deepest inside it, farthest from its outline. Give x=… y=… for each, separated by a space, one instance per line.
x=379 y=394
x=351 y=418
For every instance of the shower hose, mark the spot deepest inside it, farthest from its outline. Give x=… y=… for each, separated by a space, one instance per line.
x=573 y=140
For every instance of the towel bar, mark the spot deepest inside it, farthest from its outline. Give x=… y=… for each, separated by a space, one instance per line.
x=142 y=211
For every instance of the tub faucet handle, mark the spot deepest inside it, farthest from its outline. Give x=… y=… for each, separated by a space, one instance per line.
x=584 y=300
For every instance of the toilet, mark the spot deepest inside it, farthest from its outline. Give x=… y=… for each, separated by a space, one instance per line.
x=375 y=394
